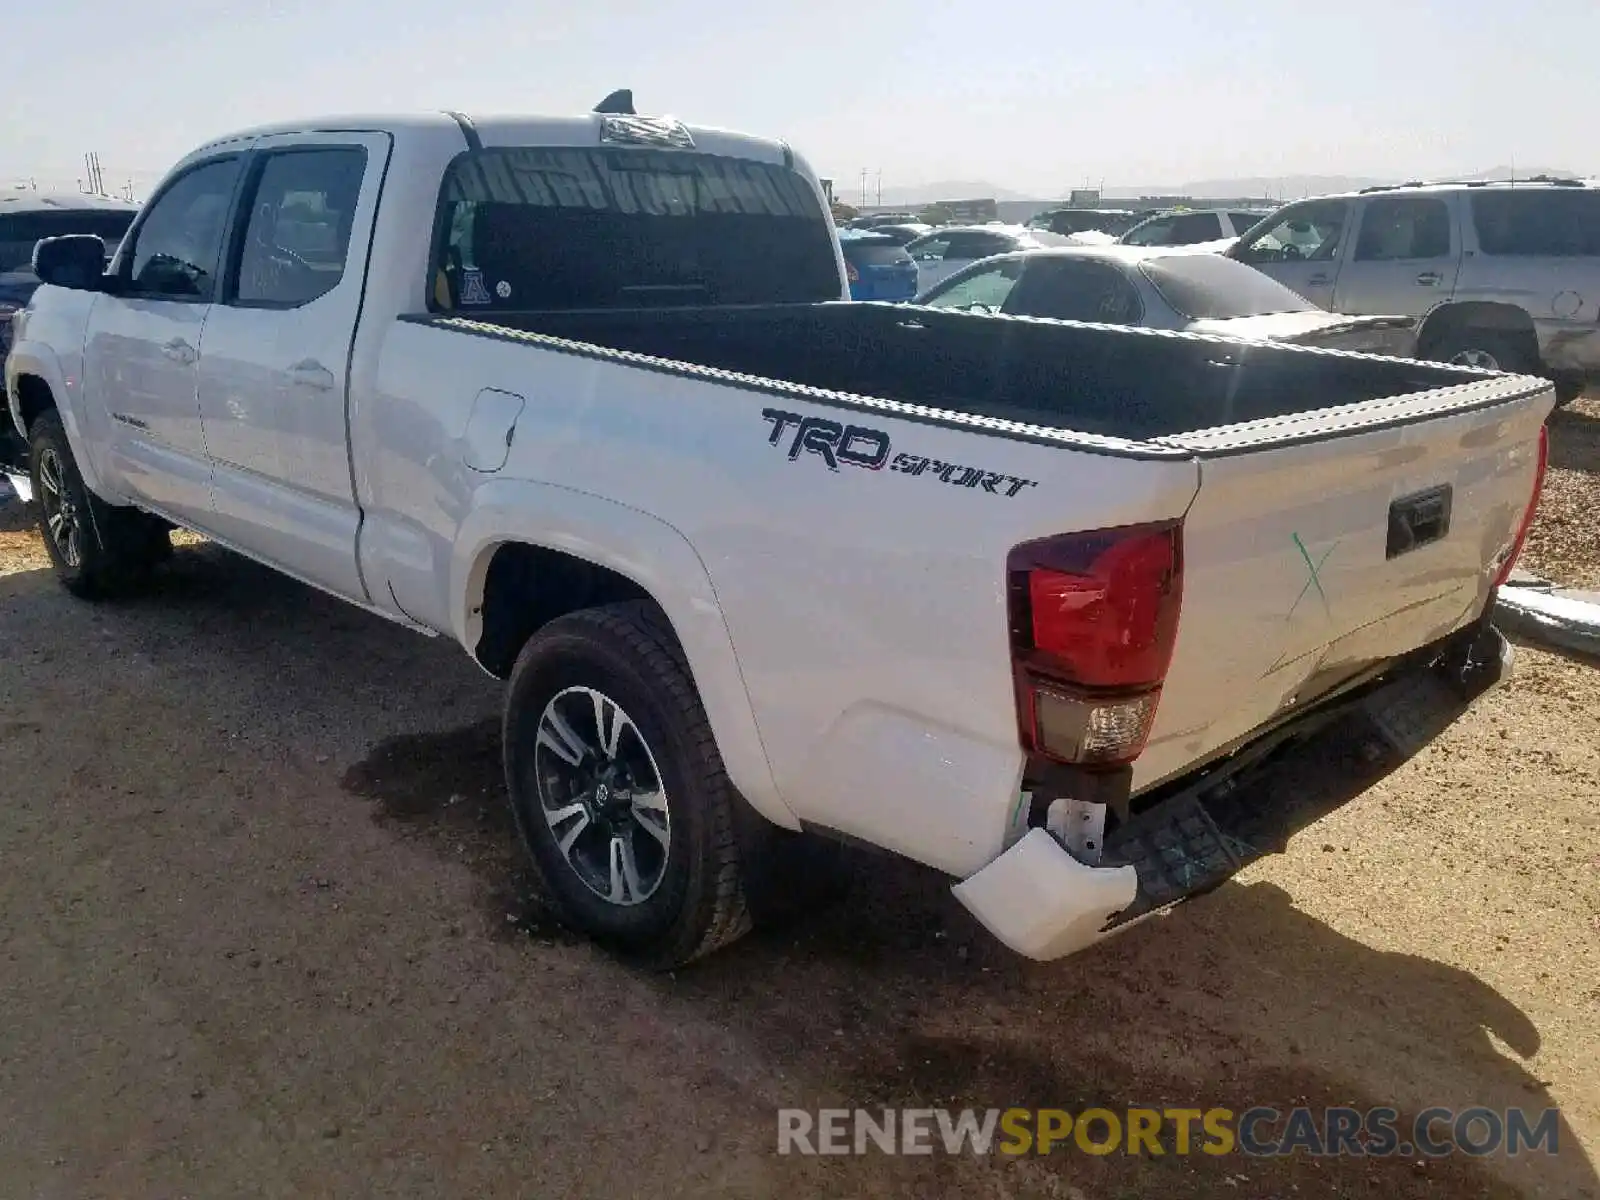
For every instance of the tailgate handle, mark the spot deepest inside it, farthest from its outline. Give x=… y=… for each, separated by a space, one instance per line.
x=1418 y=519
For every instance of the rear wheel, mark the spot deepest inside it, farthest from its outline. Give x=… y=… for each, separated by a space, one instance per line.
x=1488 y=349
x=618 y=789
x=96 y=549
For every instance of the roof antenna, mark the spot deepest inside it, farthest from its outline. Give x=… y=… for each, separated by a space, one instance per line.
x=619 y=102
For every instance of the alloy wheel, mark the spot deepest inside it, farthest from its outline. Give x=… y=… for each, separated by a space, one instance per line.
x=602 y=795
x=61 y=515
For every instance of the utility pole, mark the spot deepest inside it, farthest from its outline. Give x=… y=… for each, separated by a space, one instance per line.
x=863 y=187
x=880 y=187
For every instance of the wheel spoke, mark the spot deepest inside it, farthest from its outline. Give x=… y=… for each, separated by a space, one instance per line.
x=567 y=839
x=609 y=723
x=57 y=521
x=560 y=738
x=624 y=872
x=655 y=801
x=654 y=822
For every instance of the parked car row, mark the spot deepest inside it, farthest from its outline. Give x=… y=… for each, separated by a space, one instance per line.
x=1502 y=276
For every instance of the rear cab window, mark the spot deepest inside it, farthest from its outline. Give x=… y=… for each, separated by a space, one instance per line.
x=572 y=228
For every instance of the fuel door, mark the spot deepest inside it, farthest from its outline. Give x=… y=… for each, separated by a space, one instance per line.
x=490 y=429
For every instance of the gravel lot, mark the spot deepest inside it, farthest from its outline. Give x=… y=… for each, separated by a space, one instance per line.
x=264 y=930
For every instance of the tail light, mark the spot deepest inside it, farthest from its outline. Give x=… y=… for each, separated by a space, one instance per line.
x=1094 y=618
x=1533 y=507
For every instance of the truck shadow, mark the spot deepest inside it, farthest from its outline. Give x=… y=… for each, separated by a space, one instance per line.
x=1237 y=999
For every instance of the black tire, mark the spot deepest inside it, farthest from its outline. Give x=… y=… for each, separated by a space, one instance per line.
x=98 y=550
x=1569 y=389
x=626 y=652
x=1508 y=351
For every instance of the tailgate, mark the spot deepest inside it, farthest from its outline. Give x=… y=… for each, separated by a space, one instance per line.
x=1323 y=543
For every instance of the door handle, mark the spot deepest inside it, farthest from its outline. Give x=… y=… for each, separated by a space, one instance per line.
x=311 y=374
x=1430 y=279
x=1320 y=279
x=179 y=351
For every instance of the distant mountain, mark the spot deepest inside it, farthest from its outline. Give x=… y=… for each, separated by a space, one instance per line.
x=849 y=191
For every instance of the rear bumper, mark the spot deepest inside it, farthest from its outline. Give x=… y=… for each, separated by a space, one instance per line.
x=1043 y=903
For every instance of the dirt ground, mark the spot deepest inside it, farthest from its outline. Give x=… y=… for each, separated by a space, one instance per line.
x=265 y=931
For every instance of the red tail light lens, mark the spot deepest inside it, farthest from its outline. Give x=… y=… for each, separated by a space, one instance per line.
x=1533 y=507
x=1094 y=619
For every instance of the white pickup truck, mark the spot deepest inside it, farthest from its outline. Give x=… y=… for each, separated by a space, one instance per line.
x=999 y=594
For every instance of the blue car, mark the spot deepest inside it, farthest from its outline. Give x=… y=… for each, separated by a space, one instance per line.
x=877 y=266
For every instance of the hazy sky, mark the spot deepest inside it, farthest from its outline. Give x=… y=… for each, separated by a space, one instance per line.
x=1036 y=96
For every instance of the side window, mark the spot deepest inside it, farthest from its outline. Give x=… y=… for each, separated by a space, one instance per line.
x=931 y=250
x=1067 y=290
x=177 y=246
x=1403 y=228
x=1242 y=221
x=1153 y=233
x=1196 y=227
x=298 y=234
x=1556 y=223
x=1305 y=232
x=984 y=290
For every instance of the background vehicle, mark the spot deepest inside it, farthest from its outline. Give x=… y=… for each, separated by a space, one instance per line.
x=948 y=249
x=1498 y=274
x=877 y=266
x=1084 y=220
x=1191 y=227
x=903 y=234
x=873 y=220
x=752 y=560
x=25 y=218
x=1161 y=288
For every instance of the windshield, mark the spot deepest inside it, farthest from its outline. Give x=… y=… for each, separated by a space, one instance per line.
x=614 y=228
x=1210 y=287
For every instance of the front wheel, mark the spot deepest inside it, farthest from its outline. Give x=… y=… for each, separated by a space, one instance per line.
x=618 y=789
x=96 y=549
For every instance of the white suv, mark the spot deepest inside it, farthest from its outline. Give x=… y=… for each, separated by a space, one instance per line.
x=1500 y=275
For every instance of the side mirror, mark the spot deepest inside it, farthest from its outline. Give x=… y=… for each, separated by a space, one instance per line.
x=77 y=260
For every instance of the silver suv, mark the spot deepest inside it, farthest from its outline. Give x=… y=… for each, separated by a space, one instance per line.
x=1500 y=275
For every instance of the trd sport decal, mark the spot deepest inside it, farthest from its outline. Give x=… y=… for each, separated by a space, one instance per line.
x=869 y=449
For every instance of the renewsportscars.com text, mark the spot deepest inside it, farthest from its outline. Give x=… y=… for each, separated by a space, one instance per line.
x=1258 y=1132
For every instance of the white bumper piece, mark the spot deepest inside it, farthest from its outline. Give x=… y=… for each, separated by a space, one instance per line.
x=1042 y=902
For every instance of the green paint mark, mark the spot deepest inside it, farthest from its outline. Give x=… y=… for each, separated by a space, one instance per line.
x=1313 y=579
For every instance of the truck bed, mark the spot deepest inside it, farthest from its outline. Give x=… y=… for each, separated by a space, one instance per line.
x=1129 y=384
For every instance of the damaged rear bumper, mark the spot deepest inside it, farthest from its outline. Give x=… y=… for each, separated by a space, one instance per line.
x=1044 y=903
